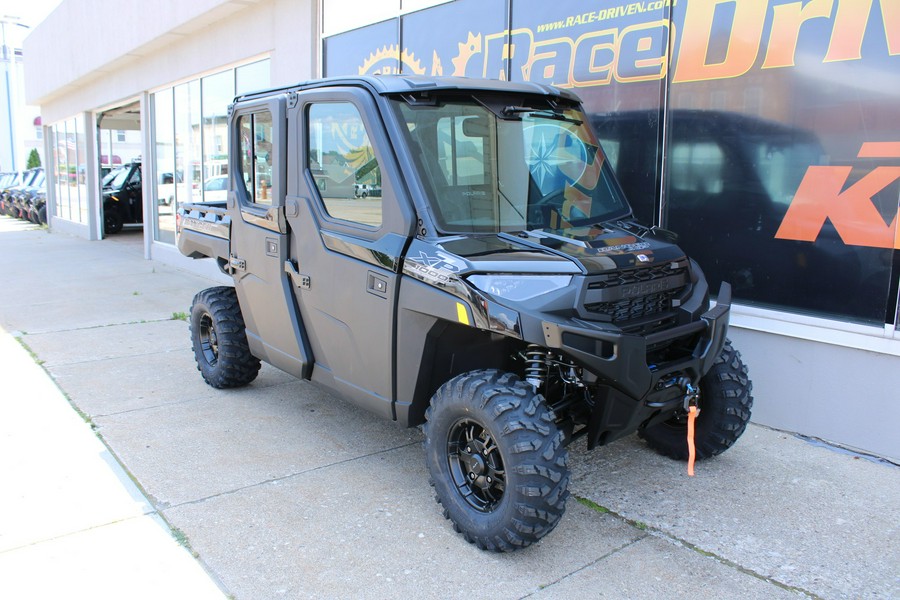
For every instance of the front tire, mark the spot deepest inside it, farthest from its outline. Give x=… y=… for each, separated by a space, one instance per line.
x=219 y=339
x=725 y=404
x=497 y=460
x=112 y=220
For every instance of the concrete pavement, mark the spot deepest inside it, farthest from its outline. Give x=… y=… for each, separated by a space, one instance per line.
x=282 y=490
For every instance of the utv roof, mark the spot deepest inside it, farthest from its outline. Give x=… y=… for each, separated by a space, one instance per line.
x=400 y=84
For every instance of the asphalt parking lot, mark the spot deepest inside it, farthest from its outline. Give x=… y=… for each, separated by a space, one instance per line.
x=281 y=490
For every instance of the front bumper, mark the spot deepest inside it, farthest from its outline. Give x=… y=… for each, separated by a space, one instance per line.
x=634 y=390
x=625 y=362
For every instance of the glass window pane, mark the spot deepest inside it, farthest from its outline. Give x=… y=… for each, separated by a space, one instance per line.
x=262 y=154
x=245 y=127
x=54 y=132
x=342 y=162
x=256 y=159
x=252 y=77
x=218 y=92
x=81 y=178
x=63 y=172
x=164 y=156
x=188 y=132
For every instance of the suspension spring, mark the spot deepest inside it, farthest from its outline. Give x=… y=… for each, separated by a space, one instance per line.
x=537 y=366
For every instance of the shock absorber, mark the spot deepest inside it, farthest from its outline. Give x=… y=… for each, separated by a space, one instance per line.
x=537 y=366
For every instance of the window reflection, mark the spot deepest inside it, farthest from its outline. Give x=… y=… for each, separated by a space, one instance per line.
x=343 y=164
x=218 y=92
x=256 y=158
x=166 y=173
x=190 y=140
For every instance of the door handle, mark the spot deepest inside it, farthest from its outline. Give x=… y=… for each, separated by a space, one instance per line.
x=376 y=284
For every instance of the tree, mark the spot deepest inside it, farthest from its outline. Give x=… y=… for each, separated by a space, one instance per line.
x=34 y=159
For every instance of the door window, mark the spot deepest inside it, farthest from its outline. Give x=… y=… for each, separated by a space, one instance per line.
x=342 y=162
x=255 y=132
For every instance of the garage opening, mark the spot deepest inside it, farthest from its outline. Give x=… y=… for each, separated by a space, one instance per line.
x=120 y=170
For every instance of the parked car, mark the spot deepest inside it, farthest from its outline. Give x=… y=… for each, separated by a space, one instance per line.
x=12 y=196
x=7 y=180
x=215 y=189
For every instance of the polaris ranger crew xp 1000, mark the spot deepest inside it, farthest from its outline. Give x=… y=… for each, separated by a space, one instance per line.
x=490 y=285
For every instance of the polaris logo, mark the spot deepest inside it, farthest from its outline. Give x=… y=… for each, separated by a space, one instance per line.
x=646 y=288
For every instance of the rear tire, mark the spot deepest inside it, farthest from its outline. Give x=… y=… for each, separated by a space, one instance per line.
x=219 y=339
x=725 y=404
x=497 y=460
x=112 y=220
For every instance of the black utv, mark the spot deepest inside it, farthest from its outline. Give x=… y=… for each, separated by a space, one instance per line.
x=497 y=290
x=123 y=198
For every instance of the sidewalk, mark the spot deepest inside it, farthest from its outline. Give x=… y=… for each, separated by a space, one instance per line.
x=74 y=524
x=282 y=490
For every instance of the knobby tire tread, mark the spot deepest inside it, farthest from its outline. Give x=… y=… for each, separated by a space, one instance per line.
x=536 y=457
x=725 y=406
x=236 y=365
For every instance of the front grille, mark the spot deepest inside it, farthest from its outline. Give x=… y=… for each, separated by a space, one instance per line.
x=636 y=276
x=622 y=311
x=627 y=296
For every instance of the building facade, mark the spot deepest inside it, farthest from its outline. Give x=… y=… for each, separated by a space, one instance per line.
x=765 y=133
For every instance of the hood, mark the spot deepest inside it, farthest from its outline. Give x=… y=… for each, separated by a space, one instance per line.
x=587 y=250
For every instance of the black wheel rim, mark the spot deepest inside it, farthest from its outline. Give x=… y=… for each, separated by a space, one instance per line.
x=209 y=341
x=476 y=465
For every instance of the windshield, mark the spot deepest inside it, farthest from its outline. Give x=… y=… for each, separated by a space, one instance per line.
x=490 y=167
x=107 y=179
x=119 y=179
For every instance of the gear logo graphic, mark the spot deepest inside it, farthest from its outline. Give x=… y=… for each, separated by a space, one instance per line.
x=391 y=60
x=467 y=50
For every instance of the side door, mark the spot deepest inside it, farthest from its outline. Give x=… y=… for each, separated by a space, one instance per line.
x=259 y=237
x=351 y=224
x=131 y=196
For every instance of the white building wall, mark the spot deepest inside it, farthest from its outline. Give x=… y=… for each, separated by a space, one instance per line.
x=156 y=43
x=846 y=390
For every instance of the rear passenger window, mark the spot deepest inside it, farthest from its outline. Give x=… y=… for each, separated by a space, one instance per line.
x=256 y=156
x=342 y=163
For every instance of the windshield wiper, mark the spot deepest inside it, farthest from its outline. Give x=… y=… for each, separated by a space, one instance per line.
x=510 y=111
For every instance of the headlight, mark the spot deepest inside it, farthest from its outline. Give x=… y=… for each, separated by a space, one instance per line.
x=519 y=287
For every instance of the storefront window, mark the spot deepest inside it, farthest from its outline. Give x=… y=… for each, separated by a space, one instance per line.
x=252 y=77
x=68 y=162
x=188 y=147
x=167 y=176
x=804 y=215
x=218 y=92
x=54 y=141
x=190 y=140
x=81 y=177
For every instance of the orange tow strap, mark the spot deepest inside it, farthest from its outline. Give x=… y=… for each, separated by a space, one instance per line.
x=692 y=452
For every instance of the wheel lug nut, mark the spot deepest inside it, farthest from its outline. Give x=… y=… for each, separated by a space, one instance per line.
x=469 y=449
x=489 y=480
x=472 y=476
